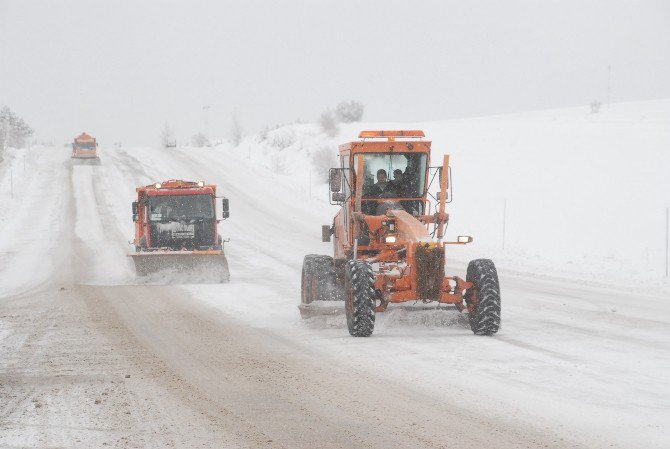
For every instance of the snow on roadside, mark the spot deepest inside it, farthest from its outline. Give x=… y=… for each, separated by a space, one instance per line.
x=579 y=195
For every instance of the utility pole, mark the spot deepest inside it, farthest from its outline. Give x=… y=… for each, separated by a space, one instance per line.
x=609 y=85
x=205 y=110
x=504 y=222
x=667 y=238
x=11 y=183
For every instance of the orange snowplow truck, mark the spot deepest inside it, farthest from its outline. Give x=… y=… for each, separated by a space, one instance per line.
x=85 y=147
x=388 y=239
x=176 y=229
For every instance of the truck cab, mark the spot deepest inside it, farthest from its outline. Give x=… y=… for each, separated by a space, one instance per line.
x=177 y=215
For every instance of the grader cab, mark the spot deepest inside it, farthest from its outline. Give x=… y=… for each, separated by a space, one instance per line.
x=388 y=238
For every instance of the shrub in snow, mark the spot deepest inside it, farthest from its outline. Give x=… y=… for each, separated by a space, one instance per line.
x=277 y=164
x=263 y=135
x=595 y=107
x=328 y=123
x=282 y=138
x=324 y=159
x=199 y=140
x=349 y=112
x=236 y=131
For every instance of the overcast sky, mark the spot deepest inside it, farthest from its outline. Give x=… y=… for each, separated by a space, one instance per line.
x=120 y=69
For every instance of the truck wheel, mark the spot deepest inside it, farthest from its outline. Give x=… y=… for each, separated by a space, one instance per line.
x=307 y=285
x=483 y=299
x=323 y=269
x=359 y=285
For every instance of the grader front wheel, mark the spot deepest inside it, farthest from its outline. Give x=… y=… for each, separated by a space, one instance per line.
x=483 y=300
x=359 y=284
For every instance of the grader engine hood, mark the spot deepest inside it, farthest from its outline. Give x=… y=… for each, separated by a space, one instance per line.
x=414 y=246
x=425 y=256
x=409 y=229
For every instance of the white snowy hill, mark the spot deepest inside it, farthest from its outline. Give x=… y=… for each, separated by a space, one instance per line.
x=583 y=195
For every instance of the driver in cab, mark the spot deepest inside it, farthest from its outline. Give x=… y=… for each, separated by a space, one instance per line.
x=376 y=190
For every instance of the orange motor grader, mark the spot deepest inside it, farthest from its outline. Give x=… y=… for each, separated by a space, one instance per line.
x=176 y=230
x=388 y=239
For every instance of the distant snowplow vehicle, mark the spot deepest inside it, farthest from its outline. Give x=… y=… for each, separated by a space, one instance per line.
x=85 y=149
x=384 y=248
x=176 y=230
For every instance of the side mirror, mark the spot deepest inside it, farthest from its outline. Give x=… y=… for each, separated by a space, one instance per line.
x=135 y=211
x=335 y=179
x=225 y=208
x=339 y=197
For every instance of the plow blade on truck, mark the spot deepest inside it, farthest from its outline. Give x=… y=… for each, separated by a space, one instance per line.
x=321 y=308
x=200 y=266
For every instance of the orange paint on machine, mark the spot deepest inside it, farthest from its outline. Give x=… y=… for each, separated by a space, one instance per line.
x=388 y=237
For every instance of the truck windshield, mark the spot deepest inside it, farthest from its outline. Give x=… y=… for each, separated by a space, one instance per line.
x=180 y=207
x=85 y=145
x=394 y=175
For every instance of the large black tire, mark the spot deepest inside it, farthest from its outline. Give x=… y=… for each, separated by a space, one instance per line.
x=306 y=280
x=323 y=271
x=359 y=285
x=484 y=297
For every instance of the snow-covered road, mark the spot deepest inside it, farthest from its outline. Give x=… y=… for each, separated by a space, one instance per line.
x=233 y=365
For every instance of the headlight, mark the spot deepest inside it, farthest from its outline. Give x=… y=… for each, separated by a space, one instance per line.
x=201 y=184
x=390 y=239
x=157 y=185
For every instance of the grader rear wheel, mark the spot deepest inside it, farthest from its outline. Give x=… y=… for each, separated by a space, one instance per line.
x=326 y=288
x=307 y=280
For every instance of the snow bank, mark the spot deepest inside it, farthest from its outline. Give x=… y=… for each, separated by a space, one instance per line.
x=560 y=193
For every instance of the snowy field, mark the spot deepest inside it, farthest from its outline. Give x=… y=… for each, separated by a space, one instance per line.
x=584 y=349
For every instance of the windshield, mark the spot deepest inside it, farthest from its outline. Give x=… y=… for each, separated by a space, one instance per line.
x=180 y=207
x=394 y=175
x=86 y=145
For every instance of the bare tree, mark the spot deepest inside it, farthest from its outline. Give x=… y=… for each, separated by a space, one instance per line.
x=13 y=130
x=349 y=111
x=324 y=159
x=328 y=123
x=168 y=139
x=236 y=131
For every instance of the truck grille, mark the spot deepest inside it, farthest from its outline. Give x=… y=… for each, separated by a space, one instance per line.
x=429 y=271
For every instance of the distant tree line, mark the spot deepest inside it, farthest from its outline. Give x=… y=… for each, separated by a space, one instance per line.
x=14 y=131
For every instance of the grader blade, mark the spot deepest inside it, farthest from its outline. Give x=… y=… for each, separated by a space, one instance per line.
x=321 y=308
